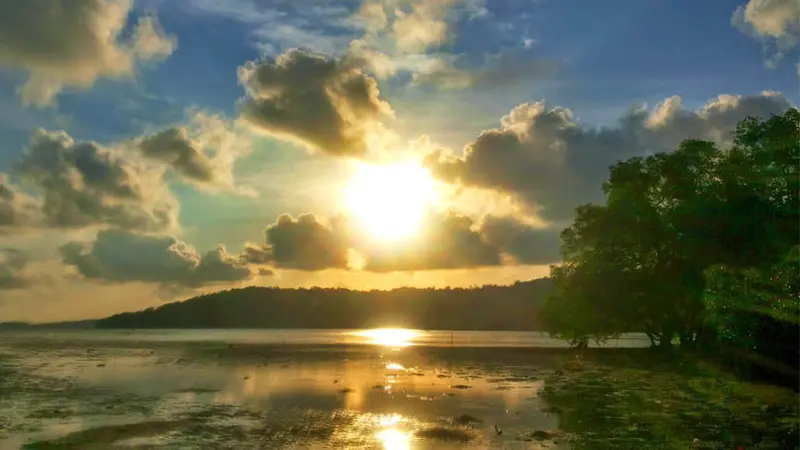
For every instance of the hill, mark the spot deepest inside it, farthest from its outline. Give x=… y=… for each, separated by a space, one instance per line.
x=514 y=307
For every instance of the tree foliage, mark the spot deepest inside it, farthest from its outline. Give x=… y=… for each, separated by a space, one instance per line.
x=679 y=235
x=479 y=308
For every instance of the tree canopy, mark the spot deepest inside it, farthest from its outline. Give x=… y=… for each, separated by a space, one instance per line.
x=684 y=239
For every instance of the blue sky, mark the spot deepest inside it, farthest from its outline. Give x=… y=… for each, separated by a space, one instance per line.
x=447 y=69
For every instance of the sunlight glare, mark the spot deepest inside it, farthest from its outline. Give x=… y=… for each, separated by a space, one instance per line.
x=389 y=337
x=394 y=439
x=390 y=201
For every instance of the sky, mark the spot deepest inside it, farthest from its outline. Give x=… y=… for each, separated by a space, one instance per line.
x=152 y=150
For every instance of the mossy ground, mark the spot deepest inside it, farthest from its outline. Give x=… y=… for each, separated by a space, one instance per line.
x=640 y=399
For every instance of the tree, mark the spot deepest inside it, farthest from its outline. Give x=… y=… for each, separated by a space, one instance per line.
x=640 y=262
x=758 y=309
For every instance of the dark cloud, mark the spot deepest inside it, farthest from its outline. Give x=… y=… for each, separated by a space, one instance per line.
x=65 y=43
x=324 y=103
x=551 y=163
x=303 y=243
x=526 y=243
x=11 y=264
x=445 y=242
x=84 y=184
x=121 y=256
x=174 y=147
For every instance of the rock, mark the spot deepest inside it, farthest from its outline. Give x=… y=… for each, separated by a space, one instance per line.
x=466 y=419
x=460 y=386
x=542 y=435
x=444 y=434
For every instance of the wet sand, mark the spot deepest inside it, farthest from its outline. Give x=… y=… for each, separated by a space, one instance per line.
x=83 y=395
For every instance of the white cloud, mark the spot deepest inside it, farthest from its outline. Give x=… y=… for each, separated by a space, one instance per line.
x=776 y=23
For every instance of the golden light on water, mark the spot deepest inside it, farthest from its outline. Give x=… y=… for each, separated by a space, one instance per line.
x=389 y=337
x=394 y=439
x=394 y=366
x=390 y=436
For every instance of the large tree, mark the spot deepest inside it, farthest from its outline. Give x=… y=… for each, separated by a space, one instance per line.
x=639 y=262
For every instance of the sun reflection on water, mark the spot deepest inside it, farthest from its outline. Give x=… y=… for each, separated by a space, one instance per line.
x=391 y=437
x=394 y=366
x=394 y=439
x=389 y=337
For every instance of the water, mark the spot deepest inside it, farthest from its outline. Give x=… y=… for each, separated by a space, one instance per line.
x=381 y=389
x=428 y=338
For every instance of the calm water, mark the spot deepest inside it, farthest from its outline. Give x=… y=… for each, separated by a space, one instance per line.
x=237 y=389
x=389 y=337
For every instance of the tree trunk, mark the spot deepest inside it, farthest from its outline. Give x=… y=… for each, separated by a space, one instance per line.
x=652 y=337
x=688 y=340
x=665 y=338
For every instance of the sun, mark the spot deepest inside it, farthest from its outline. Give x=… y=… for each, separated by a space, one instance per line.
x=390 y=201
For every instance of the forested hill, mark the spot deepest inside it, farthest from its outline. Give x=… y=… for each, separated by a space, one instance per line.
x=514 y=307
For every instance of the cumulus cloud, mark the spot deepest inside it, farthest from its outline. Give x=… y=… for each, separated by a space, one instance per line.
x=202 y=152
x=17 y=210
x=174 y=147
x=551 y=163
x=445 y=241
x=526 y=243
x=12 y=262
x=324 y=103
x=122 y=256
x=449 y=241
x=84 y=184
x=776 y=23
x=304 y=243
x=64 y=43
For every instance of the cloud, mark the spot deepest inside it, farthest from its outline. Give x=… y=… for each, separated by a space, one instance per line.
x=448 y=241
x=501 y=70
x=414 y=26
x=17 y=210
x=122 y=256
x=12 y=262
x=64 y=43
x=304 y=243
x=150 y=41
x=551 y=163
x=526 y=243
x=324 y=103
x=445 y=241
x=84 y=184
x=174 y=147
x=423 y=26
x=203 y=152
x=776 y=23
